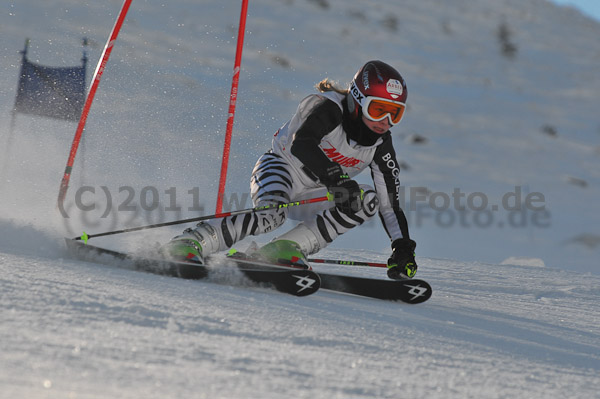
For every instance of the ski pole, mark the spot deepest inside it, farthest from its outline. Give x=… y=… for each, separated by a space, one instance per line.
x=86 y=237
x=347 y=262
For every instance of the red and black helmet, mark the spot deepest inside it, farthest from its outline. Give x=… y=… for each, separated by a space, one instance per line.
x=379 y=91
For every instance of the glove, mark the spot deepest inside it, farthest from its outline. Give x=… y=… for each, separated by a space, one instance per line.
x=402 y=263
x=346 y=193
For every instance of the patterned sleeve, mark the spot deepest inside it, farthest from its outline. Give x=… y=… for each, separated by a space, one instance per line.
x=385 y=172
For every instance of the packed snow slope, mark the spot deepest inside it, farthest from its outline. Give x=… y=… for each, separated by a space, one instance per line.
x=499 y=151
x=72 y=329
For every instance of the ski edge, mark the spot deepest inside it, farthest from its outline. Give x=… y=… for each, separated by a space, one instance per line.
x=291 y=281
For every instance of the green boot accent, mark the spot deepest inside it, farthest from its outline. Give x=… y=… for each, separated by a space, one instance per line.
x=183 y=249
x=284 y=252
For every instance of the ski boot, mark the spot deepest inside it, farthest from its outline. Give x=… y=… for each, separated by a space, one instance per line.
x=278 y=252
x=192 y=246
x=283 y=252
x=183 y=249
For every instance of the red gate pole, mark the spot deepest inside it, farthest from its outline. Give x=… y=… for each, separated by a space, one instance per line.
x=64 y=185
x=232 y=100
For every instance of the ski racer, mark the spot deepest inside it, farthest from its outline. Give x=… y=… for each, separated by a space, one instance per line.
x=331 y=138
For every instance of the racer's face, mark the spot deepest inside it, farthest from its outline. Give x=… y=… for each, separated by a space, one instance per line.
x=378 y=127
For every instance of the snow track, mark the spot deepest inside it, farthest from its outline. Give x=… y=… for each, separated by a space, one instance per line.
x=82 y=330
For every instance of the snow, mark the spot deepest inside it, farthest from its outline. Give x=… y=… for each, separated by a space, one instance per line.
x=76 y=329
x=515 y=306
x=523 y=261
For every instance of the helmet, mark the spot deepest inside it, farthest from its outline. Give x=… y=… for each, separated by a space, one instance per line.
x=379 y=91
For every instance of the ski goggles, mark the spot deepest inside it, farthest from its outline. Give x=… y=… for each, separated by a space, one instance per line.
x=377 y=109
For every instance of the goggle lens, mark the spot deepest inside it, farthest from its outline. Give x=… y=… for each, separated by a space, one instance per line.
x=378 y=109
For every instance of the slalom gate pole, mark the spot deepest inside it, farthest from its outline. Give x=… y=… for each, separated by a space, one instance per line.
x=347 y=262
x=86 y=237
x=232 y=102
x=64 y=185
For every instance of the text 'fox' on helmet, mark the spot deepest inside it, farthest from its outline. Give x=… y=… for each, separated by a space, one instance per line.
x=376 y=79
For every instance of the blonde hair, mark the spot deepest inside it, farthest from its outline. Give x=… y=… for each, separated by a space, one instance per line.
x=330 y=85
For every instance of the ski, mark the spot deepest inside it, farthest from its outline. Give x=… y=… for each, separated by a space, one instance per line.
x=283 y=278
x=411 y=291
x=299 y=282
x=292 y=281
